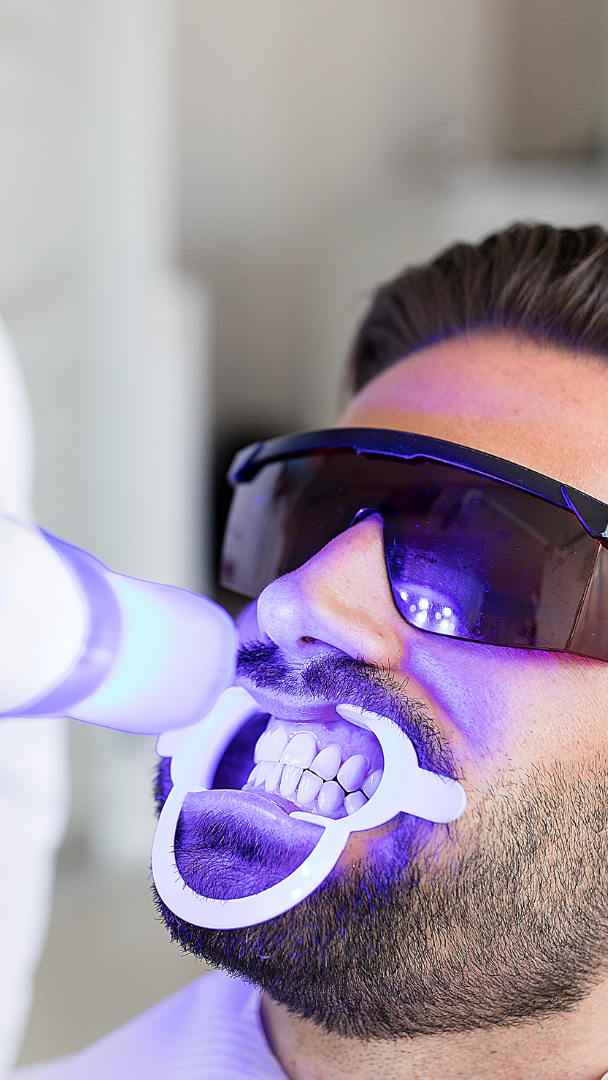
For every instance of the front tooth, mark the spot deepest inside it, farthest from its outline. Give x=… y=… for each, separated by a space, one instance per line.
x=308 y=788
x=331 y=798
x=290 y=779
x=258 y=753
x=261 y=773
x=354 y=801
x=274 y=744
x=372 y=782
x=327 y=762
x=353 y=772
x=251 y=779
x=301 y=750
x=273 y=775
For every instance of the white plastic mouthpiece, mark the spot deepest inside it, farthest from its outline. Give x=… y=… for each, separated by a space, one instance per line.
x=196 y=753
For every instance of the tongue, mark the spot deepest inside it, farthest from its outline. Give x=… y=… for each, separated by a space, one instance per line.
x=235 y=843
x=245 y=807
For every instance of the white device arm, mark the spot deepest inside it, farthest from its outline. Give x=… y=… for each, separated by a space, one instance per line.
x=43 y=617
x=78 y=640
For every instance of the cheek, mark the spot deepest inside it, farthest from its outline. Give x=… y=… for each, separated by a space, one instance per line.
x=465 y=682
x=520 y=707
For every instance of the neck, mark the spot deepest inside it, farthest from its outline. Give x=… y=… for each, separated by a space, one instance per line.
x=568 y=1046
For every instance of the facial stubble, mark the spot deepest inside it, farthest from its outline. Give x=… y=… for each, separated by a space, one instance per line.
x=498 y=918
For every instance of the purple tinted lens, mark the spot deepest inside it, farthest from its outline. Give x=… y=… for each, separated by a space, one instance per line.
x=467 y=557
x=476 y=559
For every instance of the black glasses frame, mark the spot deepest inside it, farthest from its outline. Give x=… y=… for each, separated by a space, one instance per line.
x=590 y=634
x=592 y=514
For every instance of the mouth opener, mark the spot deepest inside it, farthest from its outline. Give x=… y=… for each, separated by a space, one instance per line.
x=195 y=754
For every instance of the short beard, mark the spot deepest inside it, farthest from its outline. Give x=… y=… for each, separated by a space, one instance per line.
x=506 y=922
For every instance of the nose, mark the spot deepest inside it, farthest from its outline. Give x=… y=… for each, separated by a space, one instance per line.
x=340 y=601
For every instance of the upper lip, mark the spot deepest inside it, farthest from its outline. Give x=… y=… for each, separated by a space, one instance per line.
x=301 y=709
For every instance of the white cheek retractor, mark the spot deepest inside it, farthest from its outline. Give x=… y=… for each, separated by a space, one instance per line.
x=195 y=755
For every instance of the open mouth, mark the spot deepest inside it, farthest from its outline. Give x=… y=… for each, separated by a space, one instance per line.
x=270 y=804
x=330 y=769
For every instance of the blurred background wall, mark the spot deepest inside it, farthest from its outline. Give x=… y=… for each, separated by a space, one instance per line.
x=302 y=121
x=197 y=198
x=113 y=341
x=326 y=145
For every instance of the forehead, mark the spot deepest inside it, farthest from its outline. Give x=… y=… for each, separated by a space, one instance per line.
x=541 y=407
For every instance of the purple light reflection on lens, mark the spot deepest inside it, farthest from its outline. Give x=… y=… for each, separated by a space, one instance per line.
x=430 y=610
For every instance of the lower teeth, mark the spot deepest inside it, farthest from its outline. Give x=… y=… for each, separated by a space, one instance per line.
x=308 y=790
x=290 y=779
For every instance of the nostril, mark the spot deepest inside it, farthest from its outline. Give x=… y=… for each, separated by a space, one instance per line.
x=309 y=640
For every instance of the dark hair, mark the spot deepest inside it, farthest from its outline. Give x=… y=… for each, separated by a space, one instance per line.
x=546 y=284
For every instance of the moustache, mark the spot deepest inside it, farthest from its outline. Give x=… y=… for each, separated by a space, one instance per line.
x=344 y=680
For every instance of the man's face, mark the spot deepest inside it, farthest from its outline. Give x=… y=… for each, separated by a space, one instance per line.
x=421 y=928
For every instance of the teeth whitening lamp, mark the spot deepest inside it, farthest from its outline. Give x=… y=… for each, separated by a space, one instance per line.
x=77 y=640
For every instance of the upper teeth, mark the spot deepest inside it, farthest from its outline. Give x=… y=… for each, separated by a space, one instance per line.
x=320 y=781
x=353 y=772
x=301 y=750
x=270 y=745
x=327 y=762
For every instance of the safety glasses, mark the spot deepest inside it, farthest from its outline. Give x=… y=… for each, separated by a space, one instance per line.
x=477 y=548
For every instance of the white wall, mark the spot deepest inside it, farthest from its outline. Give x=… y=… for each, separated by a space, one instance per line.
x=293 y=112
x=376 y=241
x=300 y=115
x=291 y=105
x=113 y=342
x=142 y=381
x=110 y=338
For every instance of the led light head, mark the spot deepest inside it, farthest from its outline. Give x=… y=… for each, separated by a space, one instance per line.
x=78 y=640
